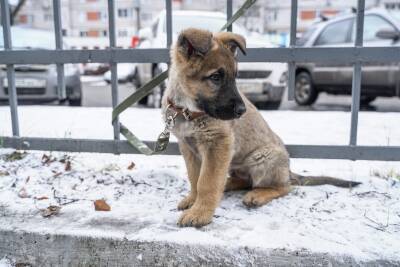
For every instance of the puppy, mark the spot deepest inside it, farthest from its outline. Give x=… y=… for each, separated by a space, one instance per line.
x=225 y=142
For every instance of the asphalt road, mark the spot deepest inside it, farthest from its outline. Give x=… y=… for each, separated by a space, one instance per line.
x=97 y=93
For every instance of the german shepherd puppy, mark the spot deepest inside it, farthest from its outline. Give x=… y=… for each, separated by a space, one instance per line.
x=226 y=143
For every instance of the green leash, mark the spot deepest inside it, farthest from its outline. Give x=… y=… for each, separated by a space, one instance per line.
x=163 y=139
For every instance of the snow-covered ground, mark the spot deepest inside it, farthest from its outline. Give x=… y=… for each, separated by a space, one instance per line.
x=363 y=222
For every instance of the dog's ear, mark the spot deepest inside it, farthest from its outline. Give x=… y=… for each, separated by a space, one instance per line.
x=194 y=42
x=232 y=41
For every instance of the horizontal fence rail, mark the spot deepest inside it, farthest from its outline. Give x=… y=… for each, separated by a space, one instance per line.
x=356 y=55
x=160 y=55
x=121 y=146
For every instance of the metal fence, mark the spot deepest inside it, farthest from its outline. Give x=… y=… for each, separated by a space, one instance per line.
x=357 y=55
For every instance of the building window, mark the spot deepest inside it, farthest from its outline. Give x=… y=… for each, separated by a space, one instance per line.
x=307 y=14
x=93 y=33
x=122 y=33
x=123 y=13
x=64 y=32
x=48 y=17
x=330 y=13
x=83 y=34
x=93 y=16
x=23 y=19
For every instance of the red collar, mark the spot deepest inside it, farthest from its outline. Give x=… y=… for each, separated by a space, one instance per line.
x=187 y=114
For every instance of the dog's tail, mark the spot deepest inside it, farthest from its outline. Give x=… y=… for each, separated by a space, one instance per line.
x=297 y=179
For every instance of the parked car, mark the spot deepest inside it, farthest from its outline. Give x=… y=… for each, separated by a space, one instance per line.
x=263 y=83
x=34 y=82
x=126 y=73
x=380 y=29
x=95 y=68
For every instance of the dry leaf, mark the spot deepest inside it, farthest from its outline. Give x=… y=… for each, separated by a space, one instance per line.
x=50 y=211
x=16 y=155
x=42 y=198
x=131 y=166
x=57 y=174
x=22 y=193
x=4 y=173
x=67 y=165
x=101 y=205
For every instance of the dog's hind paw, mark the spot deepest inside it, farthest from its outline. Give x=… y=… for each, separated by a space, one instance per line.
x=195 y=217
x=186 y=202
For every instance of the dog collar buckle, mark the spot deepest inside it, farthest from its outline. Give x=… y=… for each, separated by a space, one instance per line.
x=186 y=114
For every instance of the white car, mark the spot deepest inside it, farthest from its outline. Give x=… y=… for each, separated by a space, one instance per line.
x=263 y=83
x=126 y=73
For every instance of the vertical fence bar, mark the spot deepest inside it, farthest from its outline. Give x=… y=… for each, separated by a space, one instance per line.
x=12 y=91
x=291 y=64
x=113 y=65
x=356 y=83
x=59 y=46
x=168 y=8
x=229 y=12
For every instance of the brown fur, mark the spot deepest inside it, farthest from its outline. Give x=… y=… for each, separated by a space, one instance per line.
x=245 y=148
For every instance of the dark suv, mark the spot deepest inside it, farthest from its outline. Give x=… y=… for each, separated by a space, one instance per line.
x=380 y=29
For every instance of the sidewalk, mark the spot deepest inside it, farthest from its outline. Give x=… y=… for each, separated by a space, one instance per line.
x=321 y=225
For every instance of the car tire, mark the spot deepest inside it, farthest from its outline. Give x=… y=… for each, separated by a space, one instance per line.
x=75 y=102
x=158 y=92
x=305 y=93
x=366 y=100
x=272 y=105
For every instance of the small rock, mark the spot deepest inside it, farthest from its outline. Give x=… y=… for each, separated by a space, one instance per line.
x=22 y=193
x=50 y=211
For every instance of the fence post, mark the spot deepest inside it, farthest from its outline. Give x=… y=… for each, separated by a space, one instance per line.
x=113 y=65
x=59 y=46
x=229 y=12
x=291 y=64
x=356 y=83
x=12 y=91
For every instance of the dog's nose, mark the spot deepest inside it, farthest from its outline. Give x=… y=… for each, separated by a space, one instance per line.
x=240 y=109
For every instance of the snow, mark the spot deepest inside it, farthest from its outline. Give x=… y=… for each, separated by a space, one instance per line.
x=363 y=222
x=5 y=262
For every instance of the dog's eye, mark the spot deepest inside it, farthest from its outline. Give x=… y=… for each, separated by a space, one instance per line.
x=216 y=77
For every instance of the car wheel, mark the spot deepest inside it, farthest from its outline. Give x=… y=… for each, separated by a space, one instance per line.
x=137 y=85
x=75 y=102
x=304 y=92
x=272 y=105
x=158 y=92
x=366 y=100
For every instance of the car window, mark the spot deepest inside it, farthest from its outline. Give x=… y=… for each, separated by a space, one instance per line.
x=304 y=38
x=335 y=33
x=372 y=25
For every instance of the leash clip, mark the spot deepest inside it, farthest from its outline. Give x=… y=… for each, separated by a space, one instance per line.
x=170 y=121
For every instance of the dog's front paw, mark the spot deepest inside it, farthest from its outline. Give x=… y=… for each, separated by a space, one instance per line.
x=195 y=217
x=186 y=202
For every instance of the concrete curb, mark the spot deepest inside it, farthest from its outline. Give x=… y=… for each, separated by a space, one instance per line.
x=34 y=249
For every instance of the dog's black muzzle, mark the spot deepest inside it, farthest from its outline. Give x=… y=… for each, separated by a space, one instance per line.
x=226 y=105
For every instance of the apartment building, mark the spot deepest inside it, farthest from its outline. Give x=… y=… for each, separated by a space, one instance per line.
x=89 y=18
